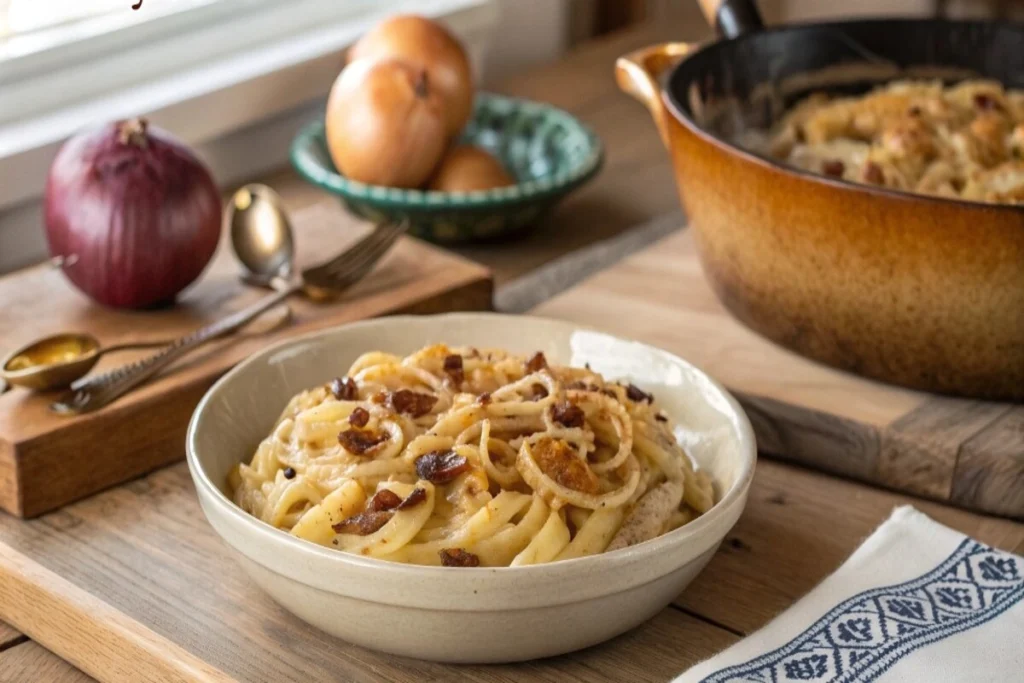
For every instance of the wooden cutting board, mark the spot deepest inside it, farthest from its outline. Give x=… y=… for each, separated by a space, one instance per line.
x=968 y=453
x=48 y=460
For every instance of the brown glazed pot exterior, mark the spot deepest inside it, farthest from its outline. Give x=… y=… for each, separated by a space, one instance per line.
x=922 y=292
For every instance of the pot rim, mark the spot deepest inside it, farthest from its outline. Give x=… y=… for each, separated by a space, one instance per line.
x=674 y=106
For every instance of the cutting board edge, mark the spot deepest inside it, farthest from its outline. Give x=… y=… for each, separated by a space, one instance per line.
x=87 y=623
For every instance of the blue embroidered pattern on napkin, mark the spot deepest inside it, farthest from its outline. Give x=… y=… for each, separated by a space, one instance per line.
x=862 y=637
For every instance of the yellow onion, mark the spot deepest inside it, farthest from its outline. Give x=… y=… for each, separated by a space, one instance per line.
x=466 y=168
x=422 y=42
x=385 y=123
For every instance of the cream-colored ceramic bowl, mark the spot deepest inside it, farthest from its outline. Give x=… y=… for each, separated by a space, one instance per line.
x=481 y=614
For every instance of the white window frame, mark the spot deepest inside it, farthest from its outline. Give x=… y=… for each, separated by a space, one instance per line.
x=234 y=79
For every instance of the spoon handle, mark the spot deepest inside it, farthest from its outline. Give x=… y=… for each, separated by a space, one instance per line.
x=95 y=392
x=135 y=346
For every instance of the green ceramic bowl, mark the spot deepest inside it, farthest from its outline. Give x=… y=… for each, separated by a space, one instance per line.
x=549 y=152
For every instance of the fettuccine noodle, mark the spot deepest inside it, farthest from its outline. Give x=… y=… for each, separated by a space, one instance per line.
x=466 y=457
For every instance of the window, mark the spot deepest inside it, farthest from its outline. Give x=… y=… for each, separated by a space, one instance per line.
x=27 y=17
x=233 y=78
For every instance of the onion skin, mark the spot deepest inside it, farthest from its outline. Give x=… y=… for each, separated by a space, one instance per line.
x=385 y=124
x=134 y=213
x=422 y=42
x=466 y=169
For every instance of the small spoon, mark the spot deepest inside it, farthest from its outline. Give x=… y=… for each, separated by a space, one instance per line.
x=261 y=235
x=55 y=362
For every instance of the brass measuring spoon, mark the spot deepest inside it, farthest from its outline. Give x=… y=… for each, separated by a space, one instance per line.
x=55 y=362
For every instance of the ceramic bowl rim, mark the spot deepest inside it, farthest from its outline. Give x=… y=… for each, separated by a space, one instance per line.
x=523 y=192
x=396 y=571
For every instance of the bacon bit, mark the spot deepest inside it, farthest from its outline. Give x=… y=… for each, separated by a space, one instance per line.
x=360 y=443
x=344 y=389
x=635 y=393
x=411 y=403
x=453 y=368
x=386 y=500
x=536 y=363
x=557 y=460
x=660 y=418
x=873 y=173
x=383 y=501
x=915 y=110
x=457 y=557
x=611 y=393
x=833 y=168
x=539 y=391
x=362 y=524
x=440 y=467
x=417 y=496
x=985 y=101
x=568 y=414
x=380 y=397
x=289 y=472
x=484 y=399
x=359 y=417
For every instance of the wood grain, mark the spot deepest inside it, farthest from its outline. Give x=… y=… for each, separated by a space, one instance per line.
x=812 y=437
x=47 y=460
x=145 y=553
x=66 y=619
x=920 y=449
x=804 y=412
x=991 y=466
x=32 y=662
x=799 y=527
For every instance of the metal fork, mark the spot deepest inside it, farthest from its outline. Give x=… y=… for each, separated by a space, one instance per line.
x=335 y=275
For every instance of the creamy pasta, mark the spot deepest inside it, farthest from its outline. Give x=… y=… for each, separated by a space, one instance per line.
x=467 y=457
x=963 y=141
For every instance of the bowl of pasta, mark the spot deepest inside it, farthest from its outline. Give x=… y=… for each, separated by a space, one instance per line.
x=470 y=487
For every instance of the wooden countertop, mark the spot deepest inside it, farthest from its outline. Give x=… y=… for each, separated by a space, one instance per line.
x=769 y=560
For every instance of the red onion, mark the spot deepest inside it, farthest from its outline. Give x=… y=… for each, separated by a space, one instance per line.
x=134 y=213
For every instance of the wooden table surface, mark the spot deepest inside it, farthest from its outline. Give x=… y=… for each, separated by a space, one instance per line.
x=771 y=558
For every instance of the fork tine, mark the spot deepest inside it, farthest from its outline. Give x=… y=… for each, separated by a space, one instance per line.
x=368 y=256
x=355 y=250
x=355 y=262
x=351 y=273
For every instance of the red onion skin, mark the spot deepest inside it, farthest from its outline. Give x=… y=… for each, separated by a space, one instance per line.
x=137 y=220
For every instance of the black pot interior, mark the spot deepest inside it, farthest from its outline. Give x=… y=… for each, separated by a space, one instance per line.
x=745 y=83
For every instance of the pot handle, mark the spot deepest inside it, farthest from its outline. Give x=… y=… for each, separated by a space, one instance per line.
x=732 y=17
x=639 y=74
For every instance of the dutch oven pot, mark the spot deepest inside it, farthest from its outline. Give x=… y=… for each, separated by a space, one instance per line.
x=923 y=292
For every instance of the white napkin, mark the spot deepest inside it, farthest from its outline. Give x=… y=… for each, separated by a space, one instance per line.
x=917 y=602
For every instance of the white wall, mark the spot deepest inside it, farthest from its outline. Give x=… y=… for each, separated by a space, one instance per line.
x=529 y=32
